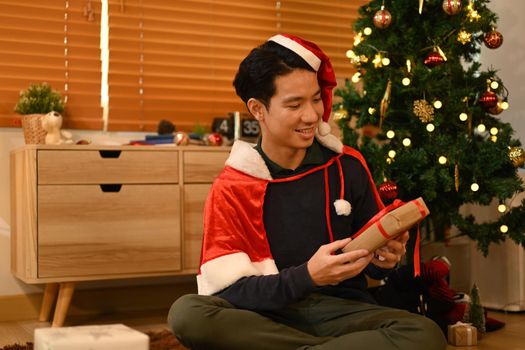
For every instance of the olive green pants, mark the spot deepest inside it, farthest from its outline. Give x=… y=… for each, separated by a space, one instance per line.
x=318 y=322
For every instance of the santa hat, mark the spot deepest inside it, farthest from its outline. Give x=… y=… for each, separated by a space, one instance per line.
x=320 y=63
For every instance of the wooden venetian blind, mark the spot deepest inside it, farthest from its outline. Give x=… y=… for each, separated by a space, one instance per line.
x=327 y=23
x=176 y=60
x=51 y=41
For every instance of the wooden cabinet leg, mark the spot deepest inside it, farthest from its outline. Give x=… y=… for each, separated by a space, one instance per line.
x=64 y=299
x=50 y=294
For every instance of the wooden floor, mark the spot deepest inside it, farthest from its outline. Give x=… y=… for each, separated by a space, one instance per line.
x=511 y=337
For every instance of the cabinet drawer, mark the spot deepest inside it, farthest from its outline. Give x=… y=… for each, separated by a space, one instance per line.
x=110 y=166
x=84 y=231
x=203 y=167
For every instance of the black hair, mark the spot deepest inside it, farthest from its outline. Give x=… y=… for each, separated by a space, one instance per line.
x=257 y=72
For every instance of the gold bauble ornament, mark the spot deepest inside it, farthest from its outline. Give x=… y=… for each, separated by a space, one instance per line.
x=340 y=114
x=451 y=7
x=517 y=156
x=423 y=110
x=382 y=18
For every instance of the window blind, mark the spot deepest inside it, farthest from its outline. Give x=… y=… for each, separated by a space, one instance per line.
x=327 y=23
x=176 y=60
x=168 y=59
x=51 y=41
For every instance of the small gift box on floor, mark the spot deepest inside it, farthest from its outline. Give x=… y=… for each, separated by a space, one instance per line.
x=462 y=334
x=103 y=337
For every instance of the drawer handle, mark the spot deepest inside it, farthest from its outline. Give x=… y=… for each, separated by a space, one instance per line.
x=111 y=187
x=109 y=154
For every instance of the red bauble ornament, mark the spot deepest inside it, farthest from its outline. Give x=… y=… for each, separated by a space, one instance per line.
x=434 y=59
x=451 y=7
x=388 y=190
x=488 y=99
x=493 y=39
x=213 y=139
x=382 y=18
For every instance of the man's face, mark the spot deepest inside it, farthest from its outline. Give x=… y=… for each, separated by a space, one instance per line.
x=293 y=114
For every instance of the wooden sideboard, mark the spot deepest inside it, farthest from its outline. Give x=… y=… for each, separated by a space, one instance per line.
x=84 y=213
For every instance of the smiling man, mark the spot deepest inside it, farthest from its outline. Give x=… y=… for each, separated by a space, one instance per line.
x=271 y=273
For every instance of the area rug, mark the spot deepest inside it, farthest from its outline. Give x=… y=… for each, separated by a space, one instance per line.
x=162 y=340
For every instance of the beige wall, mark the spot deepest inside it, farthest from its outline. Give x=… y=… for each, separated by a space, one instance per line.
x=508 y=59
x=9 y=139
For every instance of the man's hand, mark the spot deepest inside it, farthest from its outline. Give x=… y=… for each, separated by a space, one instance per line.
x=326 y=268
x=391 y=253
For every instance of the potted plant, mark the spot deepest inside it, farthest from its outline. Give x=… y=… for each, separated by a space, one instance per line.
x=34 y=102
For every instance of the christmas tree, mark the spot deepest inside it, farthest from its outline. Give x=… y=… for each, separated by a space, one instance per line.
x=476 y=314
x=425 y=115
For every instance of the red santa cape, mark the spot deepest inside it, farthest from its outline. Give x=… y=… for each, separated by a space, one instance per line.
x=235 y=243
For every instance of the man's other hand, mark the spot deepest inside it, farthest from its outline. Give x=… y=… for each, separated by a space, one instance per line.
x=327 y=268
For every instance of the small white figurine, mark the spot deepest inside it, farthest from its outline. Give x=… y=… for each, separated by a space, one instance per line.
x=52 y=123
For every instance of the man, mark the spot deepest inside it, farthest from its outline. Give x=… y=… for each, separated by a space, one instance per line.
x=272 y=275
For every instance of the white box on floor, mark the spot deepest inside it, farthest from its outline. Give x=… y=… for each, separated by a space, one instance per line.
x=103 y=337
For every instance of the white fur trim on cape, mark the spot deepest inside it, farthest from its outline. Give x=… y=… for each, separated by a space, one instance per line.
x=307 y=55
x=223 y=271
x=246 y=159
x=342 y=207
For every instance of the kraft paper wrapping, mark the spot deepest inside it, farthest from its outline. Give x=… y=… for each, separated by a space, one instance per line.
x=462 y=334
x=393 y=223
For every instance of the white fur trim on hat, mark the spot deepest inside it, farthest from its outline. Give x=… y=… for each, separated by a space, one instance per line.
x=342 y=207
x=330 y=141
x=305 y=54
x=324 y=128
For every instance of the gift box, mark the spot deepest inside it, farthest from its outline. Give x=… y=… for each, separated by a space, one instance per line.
x=104 y=337
x=388 y=224
x=462 y=334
